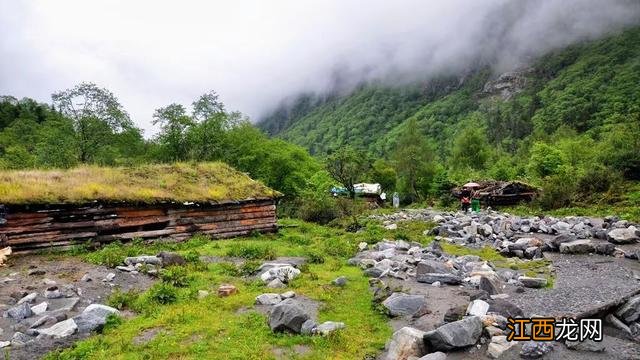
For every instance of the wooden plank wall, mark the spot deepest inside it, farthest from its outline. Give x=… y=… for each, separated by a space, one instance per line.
x=65 y=226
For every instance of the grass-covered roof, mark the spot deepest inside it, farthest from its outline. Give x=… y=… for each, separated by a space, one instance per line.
x=180 y=182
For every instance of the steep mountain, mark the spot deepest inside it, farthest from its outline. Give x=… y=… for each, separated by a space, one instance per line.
x=583 y=88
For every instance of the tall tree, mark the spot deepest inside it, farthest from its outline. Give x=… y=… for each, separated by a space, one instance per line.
x=414 y=159
x=96 y=115
x=174 y=123
x=347 y=166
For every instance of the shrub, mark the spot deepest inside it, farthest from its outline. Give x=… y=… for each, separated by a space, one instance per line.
x=319 y=208
x=314 y=256
x=192 y=257
x=251 y=252
x=337 y=247
x=123 y=300
x=249 y=267
x=558 y=190
x=163 y=293
x=228 y=268
x=110 y=255
x=175 y=276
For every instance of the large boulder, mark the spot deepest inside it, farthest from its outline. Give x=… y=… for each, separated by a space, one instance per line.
x=577 y=247
x=562 y=238
x=287 y=316
x=430 y=266
x=504 y=308
x=283 y=273
x=490 y=284
x=430 y=278
x=400 y=304
x=406 y=343
x=455 y=335
x=93 y=317
x=268 y=299
x=630 y=311
x=19 y=312
x=623 y=236
x=533 y=282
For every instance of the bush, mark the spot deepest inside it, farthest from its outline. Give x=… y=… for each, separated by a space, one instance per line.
x=558 y=190
x=596 y=179
x=163 y=293
x=320 y=208
x=123 y=300
x=337 y=247
x=252 y=252
x=110 y=255
x=314 y=256
x=175 y=275
x=229 y=269
x=249 y=267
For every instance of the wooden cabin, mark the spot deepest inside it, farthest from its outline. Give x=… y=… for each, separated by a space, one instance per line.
x=63 y=208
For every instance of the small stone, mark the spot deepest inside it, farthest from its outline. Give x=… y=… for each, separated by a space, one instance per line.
x=308 y=327
x=268 y=299
x=202 y=294
x=128 y=268
x=171 y=259
x=109 y=277
x=36 y=272
x=275 y=284
x=436 y=284
x=477 y=308
x=288 y=295
x=586 y=345
x=532 y=282
x=400 y=304
x=499 y=345
x=4 y=344
x=328 y=327
x=52 y=293
x=40 y=308
x=62 y=329
x=391 y=227
x=438 y=355
x=430 y=278
x=143 y=259
x=48 y=282
x=86 y=278
x=28 y=298
x=363 y=246
x=226 y=290
x=535 y=349
x=493 y=331
x=20 y=339
x=340 y=281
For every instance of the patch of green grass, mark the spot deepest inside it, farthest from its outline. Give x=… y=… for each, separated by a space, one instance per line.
x=212 y=327
x=251 y=251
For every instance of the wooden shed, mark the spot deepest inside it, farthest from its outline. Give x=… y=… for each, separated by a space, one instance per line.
x=62 y=208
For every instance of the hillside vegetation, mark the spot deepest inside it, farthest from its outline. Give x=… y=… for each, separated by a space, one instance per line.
x=569 y=123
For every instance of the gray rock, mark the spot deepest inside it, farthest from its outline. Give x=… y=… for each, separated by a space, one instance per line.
x=605 y=248
x=288 y=295
x=491 y=286
x=477 y=308
x=328 y=327
x=52 y=293
x=498 y=346
x=63 y=304
x=62 y=329
x=287 y=316
x=19 y=312
x=28 y=298
x=171 y=259
x=93 y=317
x=405 y=343
x=362 y=246
x=268 y=299
x=36 y=272
x=615 y=322
x=630 y=311
x=562 y=238
x=340 y=281
x=430 y=278
x=284 y=273
x=276 y=284
x=143 y=259
x=577 y=247
x=20 y=339
x=623 y=236
x=308 y=327
x=438 y=355
x=400 y=304
x=485 y=230
x=586 y=345
x=374 y=272
x=455 y=335
x=109 y=277
x=430 y=267
x=4 y=344
x=532 y=282
x=535 y=349
x=86 y=278
x=504 y=308
x=40 y=308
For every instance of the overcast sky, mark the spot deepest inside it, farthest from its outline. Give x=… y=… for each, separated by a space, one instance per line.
x=255 y=53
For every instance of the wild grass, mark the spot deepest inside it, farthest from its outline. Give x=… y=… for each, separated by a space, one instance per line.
x=181 y=182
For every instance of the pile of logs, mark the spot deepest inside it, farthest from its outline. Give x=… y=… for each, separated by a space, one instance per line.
x=501 y=192
x=29 y=228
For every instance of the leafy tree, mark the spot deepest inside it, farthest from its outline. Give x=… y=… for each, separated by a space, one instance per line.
x=382 y=172
x=470 y=146
x=414 y=158
x=347 y=166
x=174 y=123
x=620 y=148
x=545 y=160
x=96 y=114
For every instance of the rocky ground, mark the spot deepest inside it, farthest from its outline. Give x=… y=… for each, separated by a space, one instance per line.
x=456 y=307
x=47 y=304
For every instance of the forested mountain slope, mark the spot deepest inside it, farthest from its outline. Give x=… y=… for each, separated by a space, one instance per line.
x=583 y=89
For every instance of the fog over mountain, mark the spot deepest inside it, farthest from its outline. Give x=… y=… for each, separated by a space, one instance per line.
x=257 y=53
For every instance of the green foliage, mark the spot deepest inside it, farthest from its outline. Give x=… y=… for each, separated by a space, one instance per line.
x=470 y=145
x=545 y=160
x=251 y=251
x=177 y=276
x=122 y=300
x=163 y=293
x=415 y=161
x=348 y=166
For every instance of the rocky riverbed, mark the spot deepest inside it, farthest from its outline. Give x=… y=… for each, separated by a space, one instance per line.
x=444 y=306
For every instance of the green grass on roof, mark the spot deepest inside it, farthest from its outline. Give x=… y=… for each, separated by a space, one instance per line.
x=181 y=182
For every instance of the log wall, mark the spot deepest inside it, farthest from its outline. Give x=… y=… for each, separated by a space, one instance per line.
x=35 y=227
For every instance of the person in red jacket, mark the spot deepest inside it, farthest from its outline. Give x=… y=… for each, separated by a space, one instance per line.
x=465 y=199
